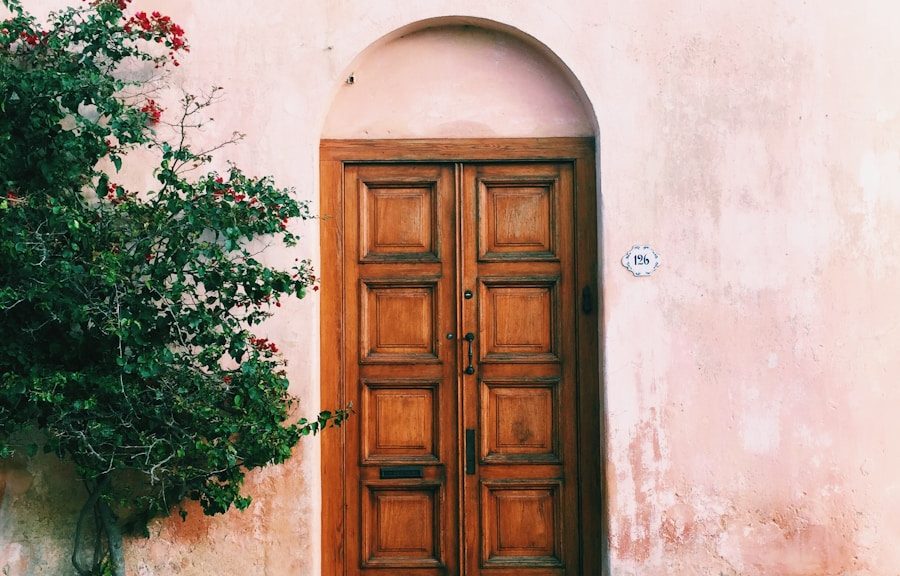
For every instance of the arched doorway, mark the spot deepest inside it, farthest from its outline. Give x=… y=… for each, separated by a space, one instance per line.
x=460 y=312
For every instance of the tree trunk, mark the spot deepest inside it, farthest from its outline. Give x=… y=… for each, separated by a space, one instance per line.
x=113 y=538
x=88 y=510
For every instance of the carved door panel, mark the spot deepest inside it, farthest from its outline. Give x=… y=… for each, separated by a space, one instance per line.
x=460 y=323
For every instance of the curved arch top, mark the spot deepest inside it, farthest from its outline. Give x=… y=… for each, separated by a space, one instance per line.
x=457 y=77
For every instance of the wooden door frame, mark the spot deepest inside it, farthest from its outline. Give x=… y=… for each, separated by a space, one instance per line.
x=580 y=151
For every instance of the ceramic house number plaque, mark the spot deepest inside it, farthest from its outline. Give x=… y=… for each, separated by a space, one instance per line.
x=641 y=260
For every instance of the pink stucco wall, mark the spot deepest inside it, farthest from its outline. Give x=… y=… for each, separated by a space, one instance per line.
x=455 y=78
x=750 y=383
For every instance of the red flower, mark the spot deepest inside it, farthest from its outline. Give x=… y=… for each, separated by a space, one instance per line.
x=226 y=379
x=161 y=29
x=115 y=193
x=153 y=111
x=263 y=344
x=30 y=39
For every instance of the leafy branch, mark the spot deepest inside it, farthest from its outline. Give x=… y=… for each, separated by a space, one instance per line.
x=127 y=317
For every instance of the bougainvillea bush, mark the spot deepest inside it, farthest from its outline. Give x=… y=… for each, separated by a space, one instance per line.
x=127 y=317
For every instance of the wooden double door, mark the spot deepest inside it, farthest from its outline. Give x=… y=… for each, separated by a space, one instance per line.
x=459 y=353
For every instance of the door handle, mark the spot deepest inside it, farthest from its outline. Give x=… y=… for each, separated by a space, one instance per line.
x=469 y=337
x=470 y=451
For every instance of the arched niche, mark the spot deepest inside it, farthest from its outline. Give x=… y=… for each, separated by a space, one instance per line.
x=421 y=111
x=458 y=78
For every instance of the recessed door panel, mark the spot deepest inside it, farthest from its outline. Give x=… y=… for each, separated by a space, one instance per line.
x=398 y=220
x=518 y=319
x=400 y=421
x=517 y=219
x=522 y=524
x=520 y=420
x=402 y=526
x=398 y=321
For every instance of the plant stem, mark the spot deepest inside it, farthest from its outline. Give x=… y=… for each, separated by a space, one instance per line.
x=114 y=538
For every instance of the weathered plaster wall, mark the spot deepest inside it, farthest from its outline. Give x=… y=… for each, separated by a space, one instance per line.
x=750 y=384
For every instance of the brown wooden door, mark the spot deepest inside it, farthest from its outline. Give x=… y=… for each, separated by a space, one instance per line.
x=520 y=514
x=400 y=286
x=459 y=323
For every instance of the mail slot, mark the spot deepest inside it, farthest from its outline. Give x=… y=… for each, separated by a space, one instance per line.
x=393 y=472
